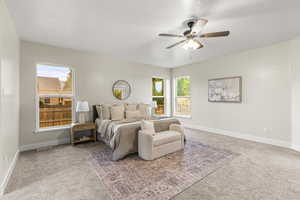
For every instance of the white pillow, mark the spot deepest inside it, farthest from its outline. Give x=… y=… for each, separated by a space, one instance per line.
x=117 y=112
x=120 y=104
x=105 y=111
x=148 y=127
x=144 y=109
x=130 y=107
x=133 y=114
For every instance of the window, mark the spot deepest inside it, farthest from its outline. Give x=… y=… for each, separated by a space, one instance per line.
x=54 y=96
x=158 y=95
x=182 y=96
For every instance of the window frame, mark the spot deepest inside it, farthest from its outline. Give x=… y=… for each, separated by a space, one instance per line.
x=164 y=89
x=175 y=97
x=38 y=129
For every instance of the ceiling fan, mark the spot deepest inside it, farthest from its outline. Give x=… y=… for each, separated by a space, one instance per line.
x=195 y=31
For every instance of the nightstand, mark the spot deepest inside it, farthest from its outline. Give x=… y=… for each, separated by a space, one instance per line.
x=76 y=128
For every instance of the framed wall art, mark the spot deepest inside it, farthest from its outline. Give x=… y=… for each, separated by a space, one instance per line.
x=226 y=90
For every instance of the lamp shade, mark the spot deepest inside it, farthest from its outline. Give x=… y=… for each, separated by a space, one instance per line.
x=82 y=106
x=154 y=104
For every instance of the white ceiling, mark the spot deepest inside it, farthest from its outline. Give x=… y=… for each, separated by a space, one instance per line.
x=128 y=29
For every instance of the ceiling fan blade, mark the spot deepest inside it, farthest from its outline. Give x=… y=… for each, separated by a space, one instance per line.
x=173 y=45
x=200 y=44
x=170 y=35
x=199 y=25
x=215 y=34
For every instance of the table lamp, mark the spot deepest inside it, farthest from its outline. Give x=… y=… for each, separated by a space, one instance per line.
x=82 y=108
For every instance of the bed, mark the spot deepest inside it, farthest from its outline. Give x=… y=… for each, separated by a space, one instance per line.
x=122 y=136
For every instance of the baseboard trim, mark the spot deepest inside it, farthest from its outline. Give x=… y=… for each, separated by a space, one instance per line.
x=29 y=147
x=296 y=147
x=242 y=136
x=9 y=173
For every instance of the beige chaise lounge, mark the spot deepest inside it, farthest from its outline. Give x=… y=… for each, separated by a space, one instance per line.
x=169 y=140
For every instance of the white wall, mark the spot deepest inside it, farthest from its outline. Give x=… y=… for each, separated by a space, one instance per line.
x=266 y=111
x=295 y=75
x=95 y=76
x=9 y=94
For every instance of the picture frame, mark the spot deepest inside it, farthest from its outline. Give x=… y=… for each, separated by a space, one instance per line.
x=225 y=90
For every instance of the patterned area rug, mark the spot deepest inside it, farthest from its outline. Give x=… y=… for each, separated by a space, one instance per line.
x=161 y=179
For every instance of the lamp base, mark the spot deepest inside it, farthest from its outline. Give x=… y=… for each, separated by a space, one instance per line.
x=81 y=118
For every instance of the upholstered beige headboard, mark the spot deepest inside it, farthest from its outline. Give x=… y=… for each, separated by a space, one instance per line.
x=95 y=113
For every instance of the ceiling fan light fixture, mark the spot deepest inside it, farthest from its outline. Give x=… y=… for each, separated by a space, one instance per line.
x=191 y=44
x=199 y=25
x=194 y=32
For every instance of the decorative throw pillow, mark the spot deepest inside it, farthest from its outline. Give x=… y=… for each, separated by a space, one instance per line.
x=105 y=111
x=130 y=107
x=144 y=110
x=119 y=104
x=148 y=127
x=117 y=112
x=133 y=114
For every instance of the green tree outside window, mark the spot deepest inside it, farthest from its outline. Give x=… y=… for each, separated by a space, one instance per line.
x=183 y=86
x=157 y=87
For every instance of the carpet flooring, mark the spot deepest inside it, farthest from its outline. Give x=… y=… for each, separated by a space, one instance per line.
x=260 y=172
x=160 y=179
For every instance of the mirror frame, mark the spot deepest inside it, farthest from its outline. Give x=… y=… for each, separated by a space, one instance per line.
x=129 y=87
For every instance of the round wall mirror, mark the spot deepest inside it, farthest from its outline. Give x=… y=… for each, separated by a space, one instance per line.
x=121 y=89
